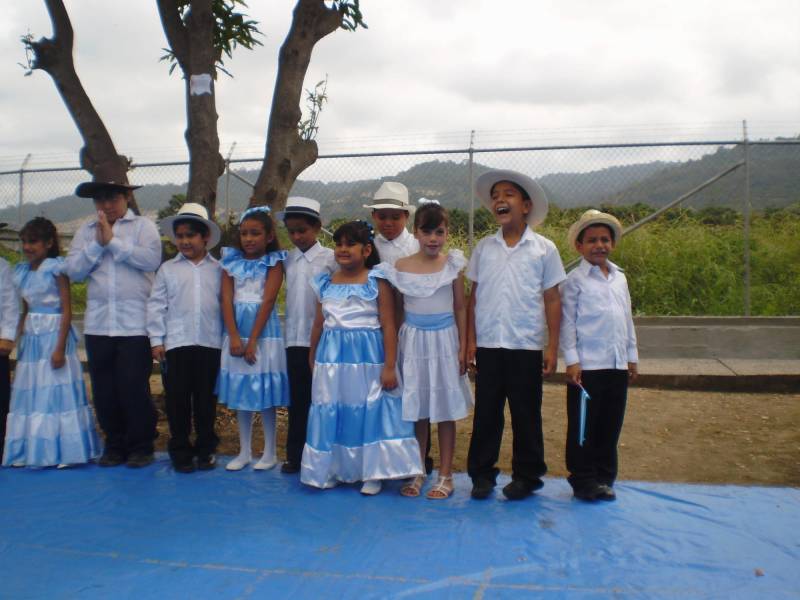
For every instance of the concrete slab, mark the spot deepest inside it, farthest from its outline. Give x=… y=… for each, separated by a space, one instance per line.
x=761 y=366
x=684 y=366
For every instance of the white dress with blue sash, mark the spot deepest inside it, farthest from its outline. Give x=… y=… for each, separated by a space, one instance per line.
x=50 y=421
x=356 y=431
x=428 y=344
x=264 y=384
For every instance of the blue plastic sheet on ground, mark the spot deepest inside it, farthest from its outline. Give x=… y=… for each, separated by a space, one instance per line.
x=151 y=533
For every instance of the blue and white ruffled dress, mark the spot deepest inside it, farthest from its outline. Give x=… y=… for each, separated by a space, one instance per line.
x=355 y=430
x=50 y=421
x=264 y=384
x=428 y=344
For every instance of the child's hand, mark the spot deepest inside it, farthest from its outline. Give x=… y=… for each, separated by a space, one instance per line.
x=462 y=361
x=633 y=371
x=58 y=359
x=6 y=346
x=236 y=347
x=550 y=361
x=388 y=378
x=574 y=374
x=104 y=231
x=158 y=353
x=472 y=350
x=251 y=352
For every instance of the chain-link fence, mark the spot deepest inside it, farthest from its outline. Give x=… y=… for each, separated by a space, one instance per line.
x=692 y=259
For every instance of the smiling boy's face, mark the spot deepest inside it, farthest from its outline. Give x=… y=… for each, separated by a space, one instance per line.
x=508 y=205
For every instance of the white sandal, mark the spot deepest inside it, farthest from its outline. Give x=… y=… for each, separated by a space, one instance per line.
x=442 y=490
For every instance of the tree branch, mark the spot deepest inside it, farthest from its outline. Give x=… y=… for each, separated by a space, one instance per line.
x=174 y=30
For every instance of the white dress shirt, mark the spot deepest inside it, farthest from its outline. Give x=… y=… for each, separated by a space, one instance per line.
x=597 y=324
x=509 y=309
x=9 y=303
x=301 y=301
x=403 y=245
x=184 y=306
x=120 y=274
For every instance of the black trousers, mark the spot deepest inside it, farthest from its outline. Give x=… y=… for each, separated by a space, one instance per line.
x=120 y=368
x=596 y=461
x=299 y=373
x=5 y=399
x=190 y=379
x=516 y=375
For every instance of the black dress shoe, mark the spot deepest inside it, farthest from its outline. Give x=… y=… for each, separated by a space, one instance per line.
x=139 y=459
x=606 y=493
x=207 y=463
x=290 y=467
x=110 y=458
x=520 y=488
x=184 y=466
x=588 y=493
x=481 y=489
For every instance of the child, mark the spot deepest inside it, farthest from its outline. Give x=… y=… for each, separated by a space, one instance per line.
x=118 y=252
x=515 y=275
x=9 y=319
x=599 y=345
x=355 y=427
x=185 y=329
x=390 y=212
x=432 y=347
x=307 y=260
x=50 y=422
x=252 y=375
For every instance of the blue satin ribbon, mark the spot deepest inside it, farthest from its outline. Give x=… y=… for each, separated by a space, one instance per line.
x=582 y=423
x=45 y=310
x=430 y=322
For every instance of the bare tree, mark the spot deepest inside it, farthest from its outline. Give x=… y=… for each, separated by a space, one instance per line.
x=54 y=56
x=288 y=153
x=198 y=33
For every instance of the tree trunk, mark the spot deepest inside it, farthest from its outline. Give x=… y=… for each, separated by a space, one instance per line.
x=54 y=56
x=192 y=42
x=287 y=154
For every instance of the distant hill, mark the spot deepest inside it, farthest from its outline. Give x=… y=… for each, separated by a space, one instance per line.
x=775 y=181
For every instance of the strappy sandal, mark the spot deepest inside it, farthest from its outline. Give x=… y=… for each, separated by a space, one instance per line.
x=413 y=487
x=442 y=489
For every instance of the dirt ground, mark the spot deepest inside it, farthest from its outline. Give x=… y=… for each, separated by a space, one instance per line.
x=669 y=435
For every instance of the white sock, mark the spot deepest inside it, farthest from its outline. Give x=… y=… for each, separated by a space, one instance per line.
x=245 y=420
x=268 y=459
x=372 y=487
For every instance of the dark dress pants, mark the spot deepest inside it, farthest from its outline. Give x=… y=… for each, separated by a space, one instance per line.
x=119 y=368
x=516 y=375
x=299 y=372
x=596 y=461
x=190 y=380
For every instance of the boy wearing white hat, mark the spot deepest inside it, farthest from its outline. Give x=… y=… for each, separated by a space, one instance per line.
x=390 y=212
x=305 y=261
x=9 y=320
x=514 y=298
x=185 y=327
x=599 y=345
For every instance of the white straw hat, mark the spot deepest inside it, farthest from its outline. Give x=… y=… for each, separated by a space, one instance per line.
x=594 y=217
x=298 y=205
x=485 y=183
x=391 y=194
x=194 y=212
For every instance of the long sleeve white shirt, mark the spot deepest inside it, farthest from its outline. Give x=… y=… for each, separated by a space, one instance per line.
x=120 y=274
x=184 y=305
x=597 y=324
x=9 y=303
x=301 y=302
x=403 y=245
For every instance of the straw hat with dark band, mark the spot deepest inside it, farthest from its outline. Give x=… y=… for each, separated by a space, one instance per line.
x=594 y=217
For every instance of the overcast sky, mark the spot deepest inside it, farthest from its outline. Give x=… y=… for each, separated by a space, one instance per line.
x=427 y=72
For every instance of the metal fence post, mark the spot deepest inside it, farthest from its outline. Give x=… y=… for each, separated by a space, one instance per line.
x=228 y=185
x=471 y=240
x=746 y=215
x=21 y=195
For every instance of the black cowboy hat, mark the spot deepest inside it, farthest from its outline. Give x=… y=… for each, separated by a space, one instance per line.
x=102 y=182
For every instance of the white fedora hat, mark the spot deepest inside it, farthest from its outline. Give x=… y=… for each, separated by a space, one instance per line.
x=391 y=194
x=298 y=205
x=194 y=212
x=485 y=183
x=594 y=217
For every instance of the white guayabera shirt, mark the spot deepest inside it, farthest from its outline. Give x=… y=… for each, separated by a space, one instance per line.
x=9 y=303
x=301 y=301
x=403 y=245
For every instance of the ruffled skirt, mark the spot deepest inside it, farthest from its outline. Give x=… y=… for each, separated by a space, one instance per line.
x=49 y=421
x=432 y=386
x=356 y=430
x=264 y=384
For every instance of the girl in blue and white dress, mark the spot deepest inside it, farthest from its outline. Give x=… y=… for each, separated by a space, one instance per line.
x=356 y=430
x=432 y=346
x=49 y=423
x=252 y=375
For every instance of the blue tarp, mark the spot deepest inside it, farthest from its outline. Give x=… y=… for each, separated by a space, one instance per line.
x=151 y=533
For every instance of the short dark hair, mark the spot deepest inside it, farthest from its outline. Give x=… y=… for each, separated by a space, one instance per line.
x=265 y=219
x=429 y=216
x=359 y=232
x=610 y=231
x=311 y=220
x=194 y=225
x=40 y=229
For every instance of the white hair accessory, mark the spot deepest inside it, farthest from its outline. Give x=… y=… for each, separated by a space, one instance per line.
x=423 y=201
